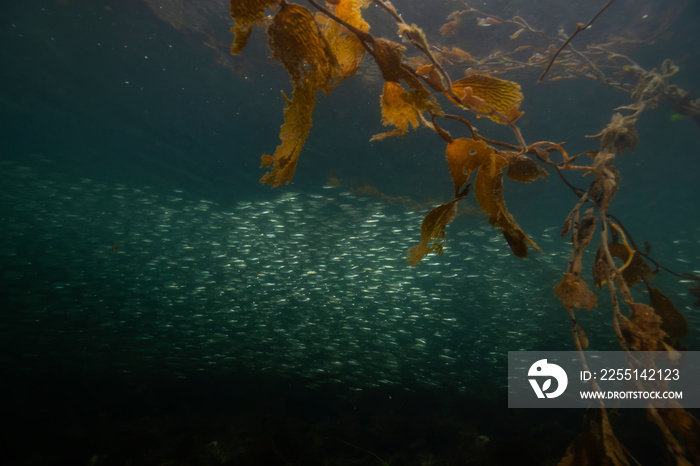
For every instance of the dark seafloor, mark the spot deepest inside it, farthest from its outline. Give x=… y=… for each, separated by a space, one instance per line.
x=160 y=306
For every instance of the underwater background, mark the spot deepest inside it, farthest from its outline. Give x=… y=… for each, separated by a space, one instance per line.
x=161 y=306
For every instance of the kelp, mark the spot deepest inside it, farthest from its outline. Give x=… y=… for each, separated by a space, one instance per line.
x=633 y=268
x=642 y=329
x=397 y=111
x=465 y=156
x=522 y=168
x=347 y=48
x=400 y=106
x=293 y=133
x=573 y=292
x=522 y=47
x=309 y=53
x=246 y=14
x=490 y=97
x=432 y=231
x=319 y=51
x=673 y=323
x=296 y=41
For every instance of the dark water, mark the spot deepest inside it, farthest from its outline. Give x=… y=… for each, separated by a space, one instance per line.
x=160 y=306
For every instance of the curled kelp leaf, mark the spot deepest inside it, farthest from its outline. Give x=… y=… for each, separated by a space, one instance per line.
x=432 y=230
x=490 y=97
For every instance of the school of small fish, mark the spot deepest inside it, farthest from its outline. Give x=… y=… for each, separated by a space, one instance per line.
x=305 y=284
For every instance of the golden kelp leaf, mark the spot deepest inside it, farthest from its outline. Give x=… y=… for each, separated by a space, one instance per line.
x=388 y=56
x=350 y=11
x=433 y=230
x=488 y=189
x=522 y=168
x=293 y=133
x=672 y=321
x=489 y=184
x=467 y=155
x=246 y=14
x=396 y=110
x=642 y=331
x=484 y=94
x=345 y=45
x=573 y=292
x=349 y=52
x=296 y=40
x=463 y=157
